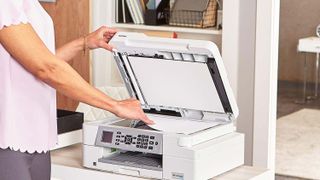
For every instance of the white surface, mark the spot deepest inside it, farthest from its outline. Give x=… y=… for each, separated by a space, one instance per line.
x=246 y=64
x=310 y=44
x=176 y=84
x=210 y=31
x=266 y=74
x=181 y=126
x=298 y=146
x=69 y=138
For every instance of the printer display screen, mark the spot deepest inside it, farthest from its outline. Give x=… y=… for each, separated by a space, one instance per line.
x=107 y=136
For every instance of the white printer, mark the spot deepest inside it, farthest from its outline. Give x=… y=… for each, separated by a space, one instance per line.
x=182 y=85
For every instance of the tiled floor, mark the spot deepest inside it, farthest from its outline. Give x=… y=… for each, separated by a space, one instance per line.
x=288 y=93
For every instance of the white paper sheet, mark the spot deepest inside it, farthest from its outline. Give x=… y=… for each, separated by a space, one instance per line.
x=182 y=126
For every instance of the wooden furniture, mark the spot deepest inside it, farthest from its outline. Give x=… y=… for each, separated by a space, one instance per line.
x=310 y=45
x=67 y=164
x=71 y=20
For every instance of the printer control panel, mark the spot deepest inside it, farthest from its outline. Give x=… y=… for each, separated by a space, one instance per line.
x=130 y=139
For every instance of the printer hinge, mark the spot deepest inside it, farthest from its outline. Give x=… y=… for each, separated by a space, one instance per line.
x=223 y=117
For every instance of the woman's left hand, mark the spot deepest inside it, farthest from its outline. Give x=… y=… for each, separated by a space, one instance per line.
x=100 y=38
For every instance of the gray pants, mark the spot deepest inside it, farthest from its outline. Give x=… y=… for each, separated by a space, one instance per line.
x=15 y=165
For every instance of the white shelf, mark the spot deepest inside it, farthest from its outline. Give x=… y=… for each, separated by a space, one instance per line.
x=207 y=31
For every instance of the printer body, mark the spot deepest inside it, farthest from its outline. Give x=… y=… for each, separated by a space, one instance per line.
x=183 y=83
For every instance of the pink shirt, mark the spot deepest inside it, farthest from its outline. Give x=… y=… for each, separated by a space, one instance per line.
x=27 y=105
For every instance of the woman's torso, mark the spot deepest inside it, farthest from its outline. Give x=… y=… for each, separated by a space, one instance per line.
x=27 y=106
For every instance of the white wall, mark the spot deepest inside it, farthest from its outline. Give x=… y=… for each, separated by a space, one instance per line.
x=245 y=70
x=101 y=63
x=266 y=71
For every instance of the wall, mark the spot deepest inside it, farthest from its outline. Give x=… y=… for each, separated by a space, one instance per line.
x=298 y=19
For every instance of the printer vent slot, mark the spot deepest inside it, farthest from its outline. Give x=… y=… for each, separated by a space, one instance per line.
x=162 y=112
x=214 y=70
x=157 y=56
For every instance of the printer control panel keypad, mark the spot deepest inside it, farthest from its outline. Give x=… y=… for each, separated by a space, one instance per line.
x=140 y=141
x=130 y=139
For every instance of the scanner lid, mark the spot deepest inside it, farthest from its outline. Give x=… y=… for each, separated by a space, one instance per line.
x=176 y=77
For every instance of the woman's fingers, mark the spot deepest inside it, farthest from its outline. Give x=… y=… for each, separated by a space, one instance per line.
x=145 y=119
x=106 y=46
x=100 y=38
x=109 y=31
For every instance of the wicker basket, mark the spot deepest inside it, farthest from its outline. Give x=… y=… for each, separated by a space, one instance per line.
x=191 y=13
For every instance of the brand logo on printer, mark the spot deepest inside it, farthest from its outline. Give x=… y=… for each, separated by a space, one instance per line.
x=179 y=176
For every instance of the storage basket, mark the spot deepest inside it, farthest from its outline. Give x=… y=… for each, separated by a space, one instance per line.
x=191 y=13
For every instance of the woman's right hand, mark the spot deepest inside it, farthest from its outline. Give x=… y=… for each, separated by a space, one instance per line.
x=131 y=109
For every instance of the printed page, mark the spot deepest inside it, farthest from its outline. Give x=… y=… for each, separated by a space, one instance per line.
x=178 y=125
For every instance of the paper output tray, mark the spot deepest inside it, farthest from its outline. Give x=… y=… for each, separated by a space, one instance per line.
x=135 y=159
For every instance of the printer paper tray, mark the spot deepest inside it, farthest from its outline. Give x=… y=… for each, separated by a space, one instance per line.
x=136 y=160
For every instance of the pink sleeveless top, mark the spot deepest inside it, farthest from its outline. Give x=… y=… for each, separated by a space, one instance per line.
x=27 y=105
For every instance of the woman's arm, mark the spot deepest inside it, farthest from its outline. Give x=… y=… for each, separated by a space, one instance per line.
x=22 y=42
x=96 y=39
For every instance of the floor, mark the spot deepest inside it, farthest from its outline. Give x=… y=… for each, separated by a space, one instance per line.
x=288 y=93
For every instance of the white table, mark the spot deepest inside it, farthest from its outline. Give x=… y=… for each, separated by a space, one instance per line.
x=310 y=45
x=67 y=165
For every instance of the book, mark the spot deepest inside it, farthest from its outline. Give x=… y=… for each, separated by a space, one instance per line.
x=119 y=12
x=132 y=12
x=126 y=13
x=138 y=11
x=143 y=5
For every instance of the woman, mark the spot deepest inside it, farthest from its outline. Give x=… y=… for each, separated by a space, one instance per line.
x=30 y=72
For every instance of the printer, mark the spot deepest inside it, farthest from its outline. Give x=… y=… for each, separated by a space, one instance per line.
x=182 y=85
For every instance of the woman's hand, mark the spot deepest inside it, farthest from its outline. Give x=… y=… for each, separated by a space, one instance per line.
x=97 y=39
x=131 y=109
x=100 y=38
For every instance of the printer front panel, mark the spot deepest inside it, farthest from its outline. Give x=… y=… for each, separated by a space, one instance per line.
x=202 y=161
x=129 y=139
